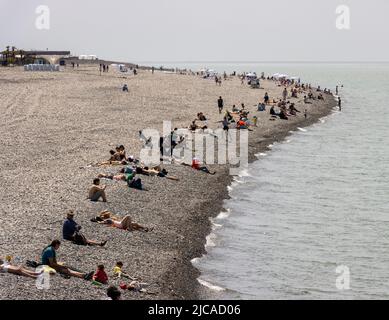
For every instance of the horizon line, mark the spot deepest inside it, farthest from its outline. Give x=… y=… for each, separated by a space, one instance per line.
x=237 y=61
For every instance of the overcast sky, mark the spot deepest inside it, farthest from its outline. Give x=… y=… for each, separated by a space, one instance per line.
x=201 y=30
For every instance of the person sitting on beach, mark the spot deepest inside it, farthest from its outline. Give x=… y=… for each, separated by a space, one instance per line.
x=255 y=121
x=96 y=191
x=125 y=88
x=266 y=98
x=320 y=97
x=49 y=258
x=126 y=223
x=273 y=111
x=235 y=109
x=135 y=286
x=283 y=114
x=100 y=275
x=5 y=266
x=125 y=174
x=71 y=232
x=114 y=293
x=201 y=117
x=261 y=106
x=292 y=109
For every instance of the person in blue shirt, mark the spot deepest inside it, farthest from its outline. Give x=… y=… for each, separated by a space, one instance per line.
x=49 y=258
x=70 y=232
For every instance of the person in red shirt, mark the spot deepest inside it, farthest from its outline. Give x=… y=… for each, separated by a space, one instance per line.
x=100 y=275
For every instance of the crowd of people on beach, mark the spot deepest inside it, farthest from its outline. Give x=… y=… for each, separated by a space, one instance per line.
x=130 y=170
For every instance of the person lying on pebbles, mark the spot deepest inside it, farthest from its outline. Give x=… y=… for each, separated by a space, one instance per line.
x=155 y=171
x=106 y=217
x=97 y=191
x=135 y=286
x=49 y=258
x=5 y=266
x=121 y=176
x=71 y=232
x=129 y=160
x=195 y=165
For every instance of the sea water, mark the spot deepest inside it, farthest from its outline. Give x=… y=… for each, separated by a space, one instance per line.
x=310 y=218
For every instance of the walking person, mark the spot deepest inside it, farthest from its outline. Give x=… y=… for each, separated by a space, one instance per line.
x=340 y=104
x=284 y=94
x=220 y=104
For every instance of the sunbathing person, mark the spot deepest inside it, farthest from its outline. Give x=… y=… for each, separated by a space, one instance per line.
x=6 y=266
x=283 y=115
x=196 y=165
x=234 y=109
x=125 y=223
x=135 y=286
x=96 y=191
x=114 y=293
x=49 y=258
x=121 y=152
x=155 y=171
x=115 y=156
x=111 y=163
x=70 y=232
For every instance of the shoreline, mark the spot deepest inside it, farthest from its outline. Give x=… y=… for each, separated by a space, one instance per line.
x=258 y=143
x=60 y=122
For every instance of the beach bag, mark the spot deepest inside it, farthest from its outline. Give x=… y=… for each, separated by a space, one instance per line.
x=135 y=183
x=80 y=239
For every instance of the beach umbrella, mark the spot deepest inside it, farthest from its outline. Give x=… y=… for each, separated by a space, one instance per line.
x=250 y=75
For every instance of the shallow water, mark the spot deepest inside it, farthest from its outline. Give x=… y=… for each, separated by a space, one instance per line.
x=317 y=201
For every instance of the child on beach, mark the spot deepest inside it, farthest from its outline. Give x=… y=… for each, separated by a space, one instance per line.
x=100 y=275
x=118 y=273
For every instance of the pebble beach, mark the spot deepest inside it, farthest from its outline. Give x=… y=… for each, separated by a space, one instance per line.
x=55 y=124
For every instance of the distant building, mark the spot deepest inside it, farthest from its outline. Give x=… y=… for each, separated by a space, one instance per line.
x=88 y=57
x=47 y=57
